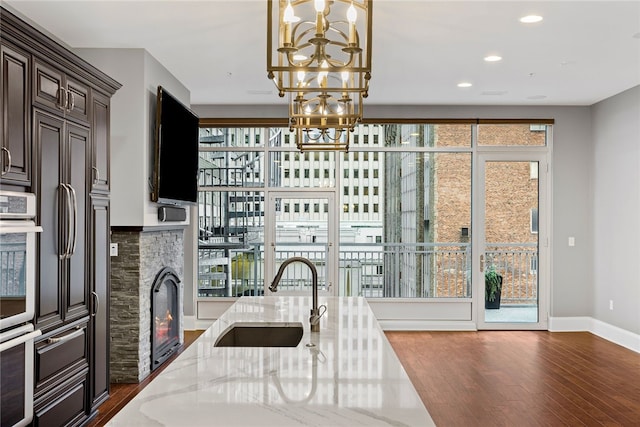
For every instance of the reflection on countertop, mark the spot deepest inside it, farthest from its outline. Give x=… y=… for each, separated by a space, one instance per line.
x=346 y=374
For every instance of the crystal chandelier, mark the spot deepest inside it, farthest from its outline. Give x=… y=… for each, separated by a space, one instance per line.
x=319 y=53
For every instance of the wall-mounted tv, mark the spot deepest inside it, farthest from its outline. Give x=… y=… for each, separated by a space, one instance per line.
x=175 y=174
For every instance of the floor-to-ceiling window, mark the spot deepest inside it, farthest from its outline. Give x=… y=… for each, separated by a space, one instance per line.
x=400 y=204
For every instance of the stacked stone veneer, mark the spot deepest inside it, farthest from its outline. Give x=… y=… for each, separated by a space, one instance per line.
x=141 y=256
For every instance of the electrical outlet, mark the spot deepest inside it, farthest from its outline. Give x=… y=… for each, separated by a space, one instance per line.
x=113 y=249
x=610 y=304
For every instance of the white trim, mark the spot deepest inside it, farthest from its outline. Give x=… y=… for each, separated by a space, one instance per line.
x=569 y=324
x=615 y=334
x=203 y=325
x=597 y=327
x=426 y=325
x=189 y=323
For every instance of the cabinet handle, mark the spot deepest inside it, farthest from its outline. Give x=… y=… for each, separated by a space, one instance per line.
x=75 y=220
x=67 y=337
x=97 y=175
x=96 y=304
x=8 y=168
x=62 y=98
x=71 y=101
x=67 y=245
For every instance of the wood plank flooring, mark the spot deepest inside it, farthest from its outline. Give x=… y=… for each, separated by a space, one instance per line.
x=521 y=378
x=501 y=378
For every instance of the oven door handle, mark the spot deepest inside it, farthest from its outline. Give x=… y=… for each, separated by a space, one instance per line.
x=20 y=340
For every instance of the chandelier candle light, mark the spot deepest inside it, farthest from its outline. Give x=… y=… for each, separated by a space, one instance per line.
x=319 y=53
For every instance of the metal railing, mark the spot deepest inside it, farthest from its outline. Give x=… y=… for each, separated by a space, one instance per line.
x=375 y=270
x=12 y=269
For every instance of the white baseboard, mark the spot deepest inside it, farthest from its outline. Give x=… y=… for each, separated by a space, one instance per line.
x=570 y=324
x=189 y=323
x=203 y=325
x=604 y=330
x=426 y=325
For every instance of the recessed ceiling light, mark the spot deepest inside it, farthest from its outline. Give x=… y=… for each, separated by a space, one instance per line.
x=531 y=19
x=464 y=84
x=493 y=58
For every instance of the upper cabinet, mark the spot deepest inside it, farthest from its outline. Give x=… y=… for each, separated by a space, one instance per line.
x=56 y=90
x=15 y=122
x=100 y=113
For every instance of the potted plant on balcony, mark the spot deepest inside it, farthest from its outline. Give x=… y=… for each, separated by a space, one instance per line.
x=492 y=288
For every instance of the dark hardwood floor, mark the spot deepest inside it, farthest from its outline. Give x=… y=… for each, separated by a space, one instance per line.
x=501 y=378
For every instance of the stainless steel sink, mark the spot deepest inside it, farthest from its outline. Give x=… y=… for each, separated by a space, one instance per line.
x=251 y=334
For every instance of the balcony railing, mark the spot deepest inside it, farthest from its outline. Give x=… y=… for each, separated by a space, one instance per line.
x=373 y=270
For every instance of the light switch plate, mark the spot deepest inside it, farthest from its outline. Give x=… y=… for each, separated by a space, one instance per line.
x=113 y=249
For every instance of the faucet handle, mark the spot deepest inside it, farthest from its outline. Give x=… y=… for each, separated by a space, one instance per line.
x=317 y=314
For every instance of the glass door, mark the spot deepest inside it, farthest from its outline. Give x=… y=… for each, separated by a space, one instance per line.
x=302 y=226
x=512 y=243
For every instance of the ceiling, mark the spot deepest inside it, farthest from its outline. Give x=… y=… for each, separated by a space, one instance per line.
x=582 y=51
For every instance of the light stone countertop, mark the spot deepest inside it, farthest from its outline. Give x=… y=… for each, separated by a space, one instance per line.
x=351 y=377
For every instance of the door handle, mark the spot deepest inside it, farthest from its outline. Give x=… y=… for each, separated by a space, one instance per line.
x=75 y=220
x=67 y=245
x=8 y=168
x=96 y=304
x=96 y=178
x=481 y=263
x=71 y=101
x=67 y=337
x=62 y=98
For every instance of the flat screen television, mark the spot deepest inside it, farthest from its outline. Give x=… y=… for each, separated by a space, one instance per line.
x=175 y=175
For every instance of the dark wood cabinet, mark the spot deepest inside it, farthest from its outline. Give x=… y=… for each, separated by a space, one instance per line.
x=62 y=190
x=100 y=167
x=58 y=91
x=15 y=95
x=99 y=331
x=55 y=123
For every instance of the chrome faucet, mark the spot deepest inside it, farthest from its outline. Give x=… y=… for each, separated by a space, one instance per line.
x=314 y=320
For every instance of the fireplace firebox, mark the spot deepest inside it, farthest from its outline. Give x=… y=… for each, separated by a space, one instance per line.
x=165 y=316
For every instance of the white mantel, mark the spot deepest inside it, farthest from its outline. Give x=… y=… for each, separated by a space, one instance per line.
x=351 y=377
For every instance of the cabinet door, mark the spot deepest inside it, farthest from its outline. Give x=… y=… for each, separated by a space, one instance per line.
x=77 y=102
x=100 y=140
x=48 y=86
x=53 y=204
x=14 y=123
x=63 y=158
x=76 y=166
x=99 y=343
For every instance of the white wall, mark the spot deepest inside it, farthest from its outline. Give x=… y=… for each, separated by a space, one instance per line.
x=133 y=110
x=616 y=210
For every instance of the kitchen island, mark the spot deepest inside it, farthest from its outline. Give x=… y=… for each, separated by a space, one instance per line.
x=345 y=375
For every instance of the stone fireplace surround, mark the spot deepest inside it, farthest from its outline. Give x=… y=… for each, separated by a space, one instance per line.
x=142 y=253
